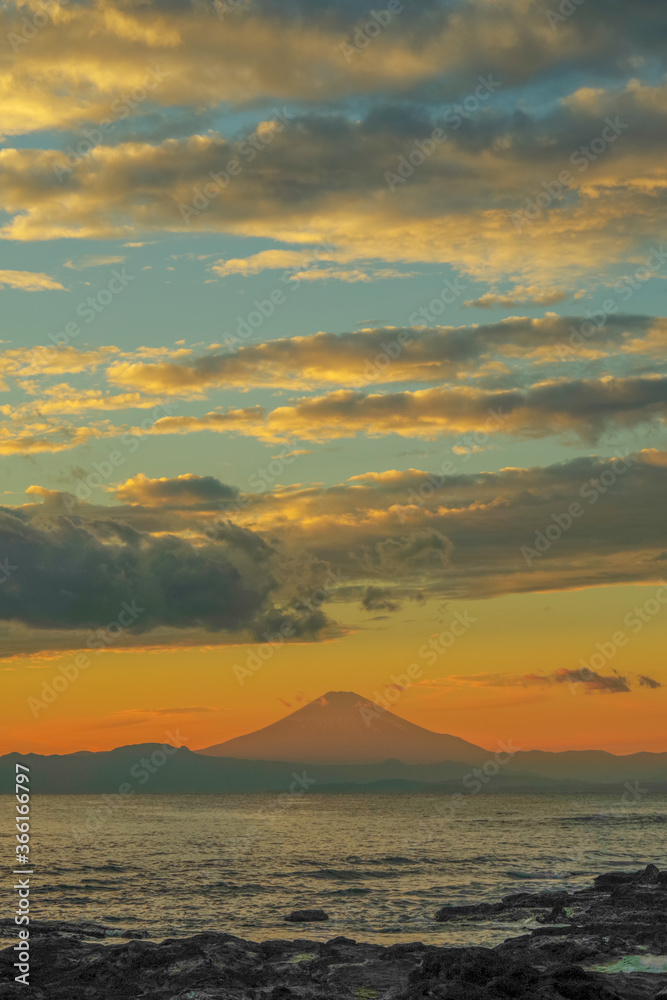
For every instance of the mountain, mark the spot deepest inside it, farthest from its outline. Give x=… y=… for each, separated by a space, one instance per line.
x=590 y=765
x=340 y=742
x=343 y=728
x=151 y=768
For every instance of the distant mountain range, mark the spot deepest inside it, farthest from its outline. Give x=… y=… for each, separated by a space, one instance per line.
x=327 y=746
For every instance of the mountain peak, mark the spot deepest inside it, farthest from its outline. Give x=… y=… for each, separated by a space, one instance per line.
x=339 y=696
x=343 y=727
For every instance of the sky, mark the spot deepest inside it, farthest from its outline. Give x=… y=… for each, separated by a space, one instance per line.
x=332 y=358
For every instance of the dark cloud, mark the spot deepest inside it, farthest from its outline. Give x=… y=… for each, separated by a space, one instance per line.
x=73 y=574
x=401 y=534
x=378 y=599
x=584 y=679
x=592 y=681
x=648 y=682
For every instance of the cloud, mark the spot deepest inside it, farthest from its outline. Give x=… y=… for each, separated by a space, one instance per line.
x=463 y=535
x=49 y=437
x=75 y=573
x=589 y=680
x=323 y=178
x=649 y=682
x=188 y=489
x=444 y=534
x=30 y=281
x=518 y=296
x=64 y=398
x=93 y=260
x=351 y=275
x=25 y=362
x=78 y=575
x=592 y=681
x=393 y=354
x=584 y=408
x=267 y=260
x=297 y=51
x=378 y=599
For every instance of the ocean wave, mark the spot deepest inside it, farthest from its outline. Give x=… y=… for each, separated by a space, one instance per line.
x=537 y=875
x=344 y=874
x=352 y=891
x=618 y=817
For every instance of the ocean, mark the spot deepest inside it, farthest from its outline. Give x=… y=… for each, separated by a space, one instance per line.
x=379 y=865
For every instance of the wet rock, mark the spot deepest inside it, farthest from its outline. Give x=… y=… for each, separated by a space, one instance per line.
x=305 y=916
x=564 y=936
x=521 y=980
x=556 y=916
x=612 y=880
x=469 y=965
x=538 y=900
x=573 y=983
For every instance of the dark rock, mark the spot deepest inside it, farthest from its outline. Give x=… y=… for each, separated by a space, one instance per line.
x=538 y=900
x=574 y=983
x=555 y=916
x=304 y=916
x=612 y=880
x=520 y=981
x=470 y=911
x=469 y=965
x=546 y=962
x=650 y=875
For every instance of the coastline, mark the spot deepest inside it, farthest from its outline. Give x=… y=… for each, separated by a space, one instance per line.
x=603 y=942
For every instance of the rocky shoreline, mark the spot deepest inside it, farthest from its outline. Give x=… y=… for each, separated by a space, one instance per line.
x=580 y=946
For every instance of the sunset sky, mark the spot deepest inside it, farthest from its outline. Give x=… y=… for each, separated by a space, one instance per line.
x=343 y=322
